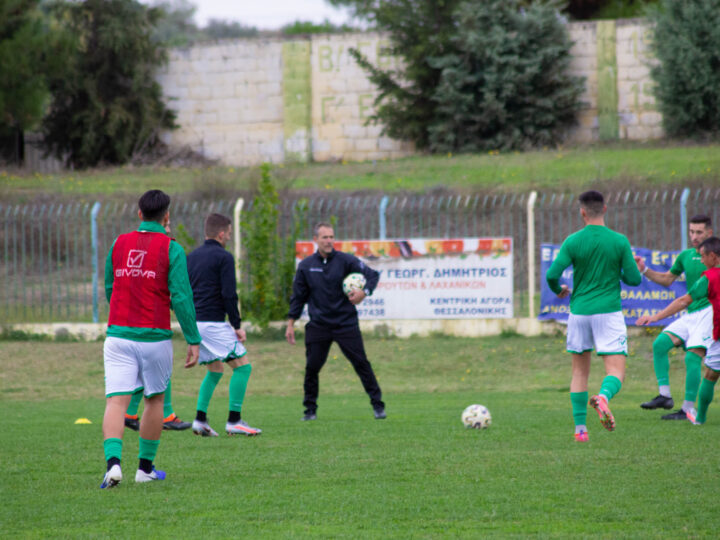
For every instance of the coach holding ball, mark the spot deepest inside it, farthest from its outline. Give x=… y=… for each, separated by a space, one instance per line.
x=333 y=317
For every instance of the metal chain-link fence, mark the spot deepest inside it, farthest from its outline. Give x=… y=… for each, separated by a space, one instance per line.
x=47 y=253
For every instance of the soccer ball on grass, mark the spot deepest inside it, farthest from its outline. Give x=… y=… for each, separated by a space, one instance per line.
x=476 y=416
x=353 y=282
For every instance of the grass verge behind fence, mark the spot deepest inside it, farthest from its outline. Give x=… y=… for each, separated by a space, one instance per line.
x=612 y=167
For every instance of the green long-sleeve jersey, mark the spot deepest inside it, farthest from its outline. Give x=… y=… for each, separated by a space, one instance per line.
x=600 y=258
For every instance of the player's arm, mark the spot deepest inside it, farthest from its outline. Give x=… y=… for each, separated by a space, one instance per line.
x=181 y=294
x=661 y=278
x=698 y=291
x=675 y=306
x=630 y=272
x=228 y=291
x=558 y=266
x=371 y=280
x=300 y=295
x=109 y=274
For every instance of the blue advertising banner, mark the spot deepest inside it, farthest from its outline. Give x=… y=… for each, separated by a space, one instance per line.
x=647 y=298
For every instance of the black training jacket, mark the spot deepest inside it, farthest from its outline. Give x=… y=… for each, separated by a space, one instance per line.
x=318 y=282
x=212 y=276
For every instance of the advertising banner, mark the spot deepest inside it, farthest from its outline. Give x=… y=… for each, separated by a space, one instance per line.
x=420 y=278
x=647 y=298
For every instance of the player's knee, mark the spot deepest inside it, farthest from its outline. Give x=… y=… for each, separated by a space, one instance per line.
x=663 y=343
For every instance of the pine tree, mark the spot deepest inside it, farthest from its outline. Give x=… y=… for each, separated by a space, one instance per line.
x=687 y=44
x=24 y=45
x=475 y=74
x=506 y=85
x=106 y=104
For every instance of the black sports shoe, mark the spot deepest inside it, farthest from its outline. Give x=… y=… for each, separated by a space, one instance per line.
x=309 y=416
x=175 y=424
x=659 y=402
x=380 y=414
x=132 y=423
x=677 y=415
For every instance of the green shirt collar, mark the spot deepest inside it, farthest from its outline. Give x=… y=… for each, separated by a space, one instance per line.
x=152 y=226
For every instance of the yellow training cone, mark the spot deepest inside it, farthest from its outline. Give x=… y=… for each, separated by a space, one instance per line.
x=83 y=421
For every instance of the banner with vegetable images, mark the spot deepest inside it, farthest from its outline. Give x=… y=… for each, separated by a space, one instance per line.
x=425 y=278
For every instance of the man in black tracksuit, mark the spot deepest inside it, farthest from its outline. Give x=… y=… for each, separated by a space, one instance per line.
x=333 y=316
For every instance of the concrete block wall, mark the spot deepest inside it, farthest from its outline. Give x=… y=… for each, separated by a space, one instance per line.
x=247 y=101
x=229 y=100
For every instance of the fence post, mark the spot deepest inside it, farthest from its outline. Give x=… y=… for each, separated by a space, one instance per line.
x=683 y=218
x=531 y=252
x=236 y=234
x=383 y=217
x=94 y=241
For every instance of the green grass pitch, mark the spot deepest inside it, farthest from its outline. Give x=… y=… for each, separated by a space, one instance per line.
x=418 y=474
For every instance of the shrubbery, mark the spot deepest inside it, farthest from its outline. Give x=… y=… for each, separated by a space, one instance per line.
x=476 y=75
x=687 y=77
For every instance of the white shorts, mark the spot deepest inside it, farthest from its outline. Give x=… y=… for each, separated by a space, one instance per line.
x=219 y=342
x=695 y=329
x=712 y=358
x=132 y=365
x=605 y=332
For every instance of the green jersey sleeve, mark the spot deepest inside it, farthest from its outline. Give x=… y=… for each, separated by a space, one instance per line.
x=699 y=291
x=558 y=266
x=181 y=294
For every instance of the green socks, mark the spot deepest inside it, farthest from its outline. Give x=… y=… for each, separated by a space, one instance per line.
x=661 y=362
x=238 y=385
x=693 y=374
x=707 y=391
x=167 y=403
x=135 y=400
x=113 y=448
x=610 y=386
x=148 y=449
x=579 y=402
x=212 y=378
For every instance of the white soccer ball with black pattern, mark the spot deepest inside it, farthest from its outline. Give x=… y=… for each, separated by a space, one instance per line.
x=476 y=416
x=352 y=282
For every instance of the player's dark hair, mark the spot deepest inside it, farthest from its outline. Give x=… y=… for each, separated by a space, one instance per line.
x=317 y=227
x=215 y=224
x=702 y=218
x=711 y=245
x=153 y=204
x=593 y=202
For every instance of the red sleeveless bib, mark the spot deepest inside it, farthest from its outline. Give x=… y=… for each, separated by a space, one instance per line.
x=140 y=296
x=713 y=276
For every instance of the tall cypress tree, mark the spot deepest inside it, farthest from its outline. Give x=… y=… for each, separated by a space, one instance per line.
x=23 y=93
x=106 y=104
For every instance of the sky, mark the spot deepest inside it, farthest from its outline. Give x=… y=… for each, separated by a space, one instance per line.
x=267 y=14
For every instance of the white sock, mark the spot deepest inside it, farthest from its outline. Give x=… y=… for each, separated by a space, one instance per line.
x=665 y=390
x=580 y=428
x=687 y=405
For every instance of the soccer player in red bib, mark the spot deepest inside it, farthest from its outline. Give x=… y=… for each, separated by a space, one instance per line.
x=707 y=287
x=145 y=275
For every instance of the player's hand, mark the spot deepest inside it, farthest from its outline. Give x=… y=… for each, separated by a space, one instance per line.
x=640 y=261
x=241 y=335
x=290 y=334
x=356 y=296
x=644 y=320
x=564 y=292
x=192 y=355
